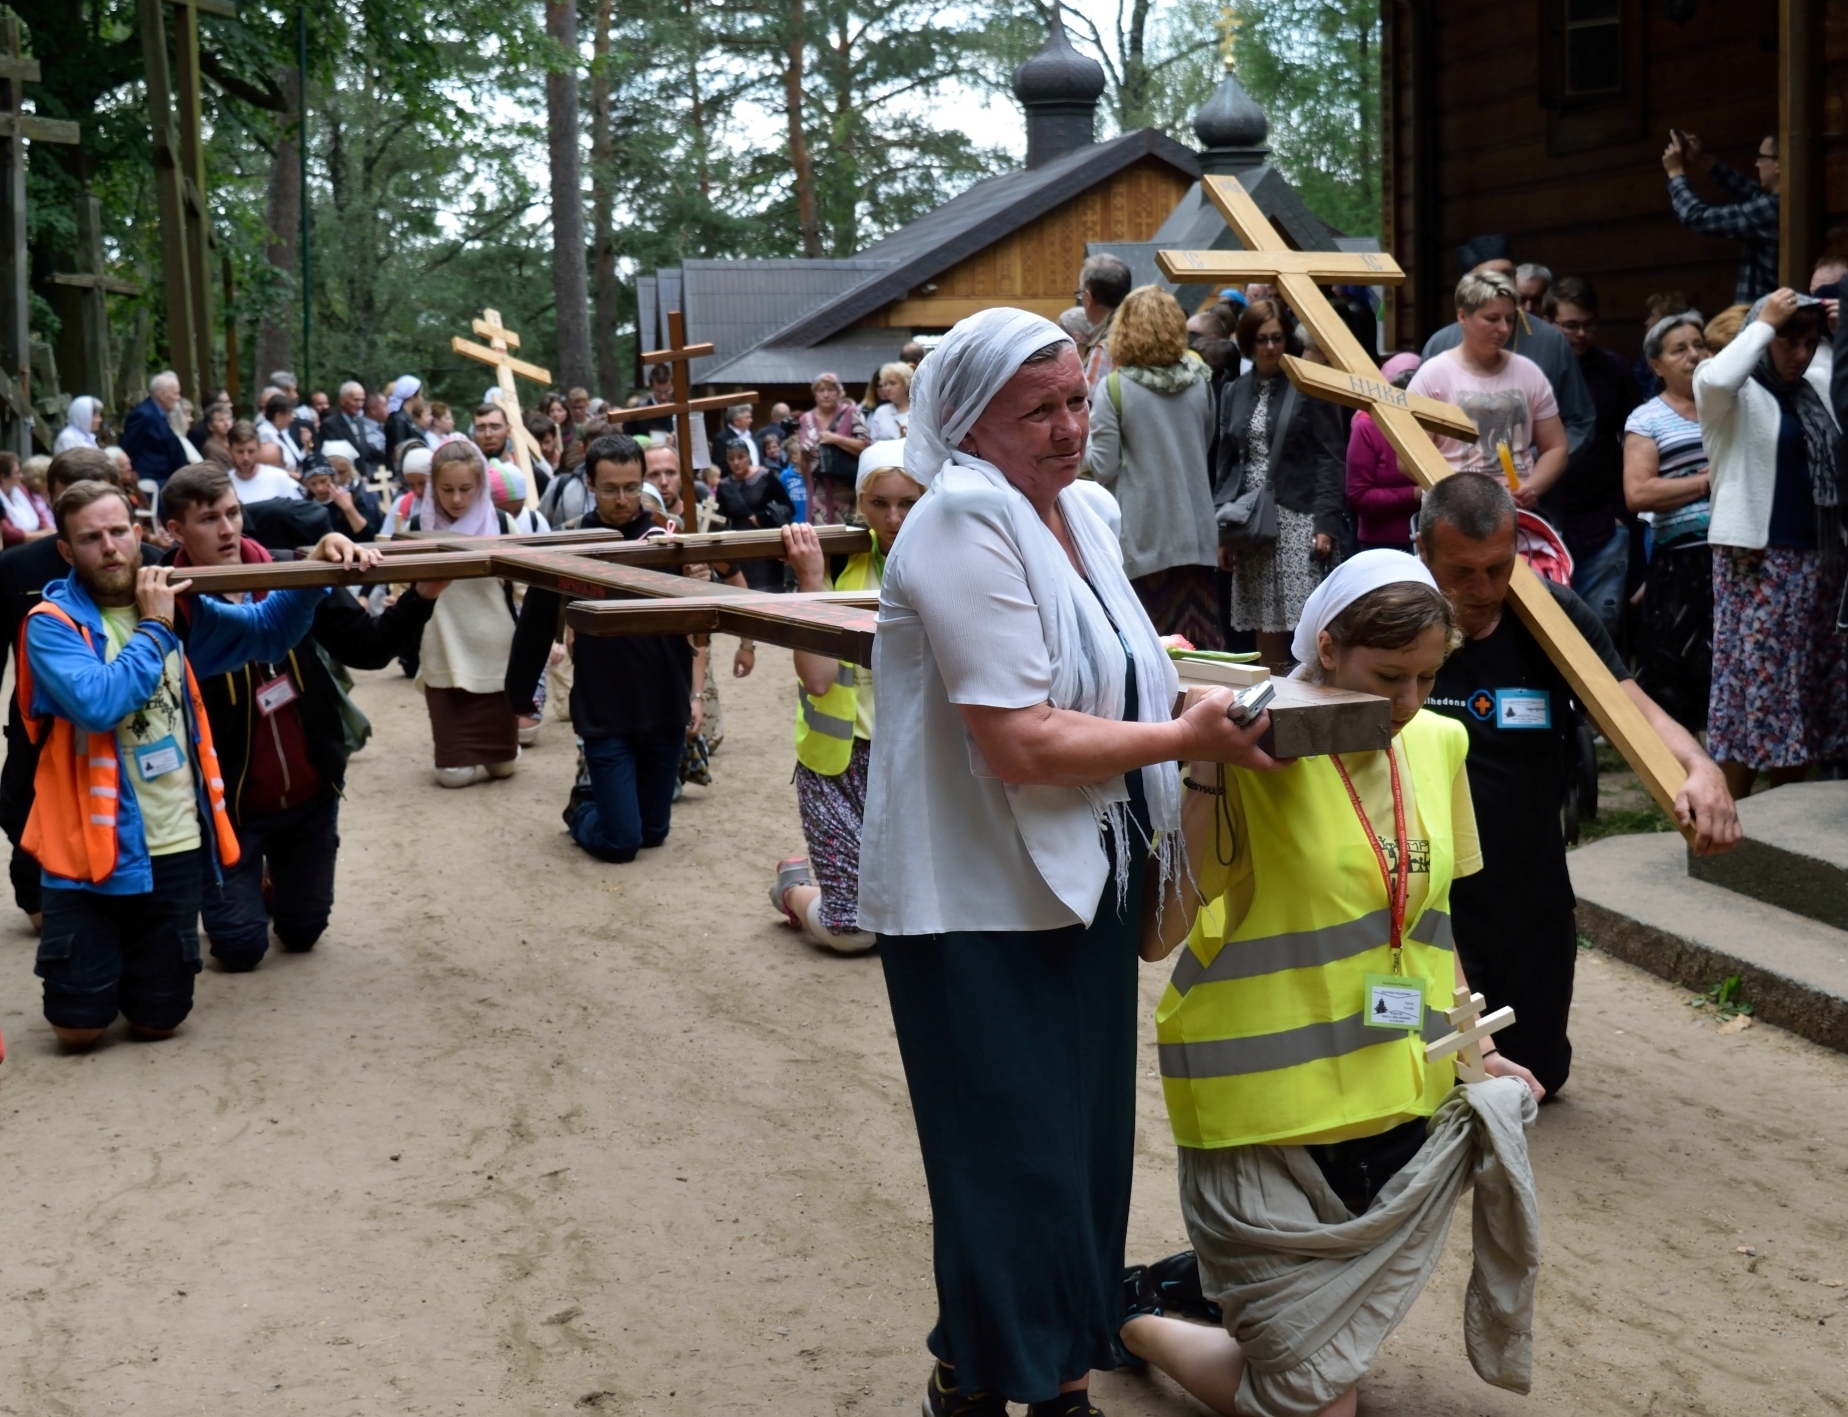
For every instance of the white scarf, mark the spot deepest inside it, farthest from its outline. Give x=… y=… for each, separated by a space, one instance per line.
x=953 y=386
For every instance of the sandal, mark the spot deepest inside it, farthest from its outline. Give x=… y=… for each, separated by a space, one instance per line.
x=791 y=871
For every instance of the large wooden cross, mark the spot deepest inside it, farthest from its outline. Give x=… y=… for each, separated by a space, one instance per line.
x=677 y=356
x=93 y=279
x=17 y=69
x=1354 y=379
x=495 y=353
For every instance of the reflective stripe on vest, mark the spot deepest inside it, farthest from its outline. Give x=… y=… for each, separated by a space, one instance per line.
x=64 y=833
x=824 y=726
x=1261 y=1032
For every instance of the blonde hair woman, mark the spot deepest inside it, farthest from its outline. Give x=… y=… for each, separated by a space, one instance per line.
x=1151 y=423
x=891 y=393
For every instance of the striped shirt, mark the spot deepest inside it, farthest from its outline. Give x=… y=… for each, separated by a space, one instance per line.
x=1679 y=453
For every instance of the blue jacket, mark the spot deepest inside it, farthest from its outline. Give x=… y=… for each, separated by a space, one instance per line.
x=71 y=681
x=150 y=442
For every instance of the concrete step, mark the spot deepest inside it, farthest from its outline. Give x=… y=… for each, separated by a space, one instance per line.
x=1636 y=901
x=1795 y=852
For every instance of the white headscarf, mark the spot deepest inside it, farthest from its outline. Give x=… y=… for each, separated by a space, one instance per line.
x=477 y=519
x=1353 y=578
x=877 y=457
x=952 y=387
x=403 y=388
x=76 y=431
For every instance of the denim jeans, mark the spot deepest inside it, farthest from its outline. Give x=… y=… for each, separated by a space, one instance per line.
x=1599 y=578
x=298 y=846
x=632 y=781
x=135 y=953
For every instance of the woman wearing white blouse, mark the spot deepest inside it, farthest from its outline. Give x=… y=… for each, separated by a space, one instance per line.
x=1027 y=750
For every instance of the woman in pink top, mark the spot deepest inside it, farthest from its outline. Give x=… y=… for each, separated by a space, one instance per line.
x=1506 y=395
x=1384 y=499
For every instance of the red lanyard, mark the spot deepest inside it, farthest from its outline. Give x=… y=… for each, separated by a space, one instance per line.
x=1395 y=888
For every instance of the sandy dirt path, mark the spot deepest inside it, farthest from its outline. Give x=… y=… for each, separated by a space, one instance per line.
x=529 y=1133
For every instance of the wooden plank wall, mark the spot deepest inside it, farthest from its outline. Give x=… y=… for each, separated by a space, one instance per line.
x=1037 y=264
x=1496 y=162
x=1834 y=126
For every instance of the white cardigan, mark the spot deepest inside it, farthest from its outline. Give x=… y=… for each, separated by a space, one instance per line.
x=1739 y=421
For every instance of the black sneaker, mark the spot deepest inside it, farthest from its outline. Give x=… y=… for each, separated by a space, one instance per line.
x=943 y=1401
x=1066 y=1404
x=1175 y=1283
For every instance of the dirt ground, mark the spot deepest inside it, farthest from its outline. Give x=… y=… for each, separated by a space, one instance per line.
x=530 y=1133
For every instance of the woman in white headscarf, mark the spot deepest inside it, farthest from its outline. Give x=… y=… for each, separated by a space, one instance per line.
x=81 y=423
x=1025 y=753
x=1321 y=1156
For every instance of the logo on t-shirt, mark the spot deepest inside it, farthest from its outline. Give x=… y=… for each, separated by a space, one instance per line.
x=1482 y=704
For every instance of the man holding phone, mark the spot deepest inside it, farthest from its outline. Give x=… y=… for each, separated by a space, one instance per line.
x=1751 y=219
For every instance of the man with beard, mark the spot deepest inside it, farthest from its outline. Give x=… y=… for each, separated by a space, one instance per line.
x=129 y=807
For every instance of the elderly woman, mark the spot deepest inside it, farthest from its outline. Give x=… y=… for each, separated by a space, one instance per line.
x=1665 y=478
x=829 y=440
x=1780 y=670
x=82 y=422
x=1150 y=426
x=1026 y=748
x=1506 y=394
x=1270 y=437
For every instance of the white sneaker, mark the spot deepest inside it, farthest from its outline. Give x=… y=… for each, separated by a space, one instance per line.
x=457 y=777
x=502 y=769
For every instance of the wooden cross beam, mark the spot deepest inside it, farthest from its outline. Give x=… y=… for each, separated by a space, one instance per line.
x=1324 y=267
x=678 y=356
x=1470 y=1029
x=500 y=340
x=1396 y=416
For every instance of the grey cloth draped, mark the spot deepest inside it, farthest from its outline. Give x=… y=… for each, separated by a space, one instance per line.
x=1311 y=1292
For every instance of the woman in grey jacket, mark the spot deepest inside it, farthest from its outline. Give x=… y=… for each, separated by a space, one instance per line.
x=1151 y=422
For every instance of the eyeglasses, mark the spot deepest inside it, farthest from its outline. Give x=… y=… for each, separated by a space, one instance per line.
x=1263 y=340
x=1576 y=327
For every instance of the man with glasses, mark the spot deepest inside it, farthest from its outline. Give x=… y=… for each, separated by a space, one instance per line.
x=1586 y=505
x=1751 y=219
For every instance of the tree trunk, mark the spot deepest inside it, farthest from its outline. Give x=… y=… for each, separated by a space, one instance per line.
x=1133 y=105
x=795 y=43
x=275 y=348
x=568 y=267
x=608 y=293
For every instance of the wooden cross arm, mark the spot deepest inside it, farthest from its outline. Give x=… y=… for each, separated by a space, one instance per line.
x=499 y=357
x=839 y=624
x=1242 y=214
x=1367 y=390
x=490 y=331
x=115 y=285
x=1464 y=1037
x=23 y=67
x=677 y=550
x=1322 y=267
x=308 y=575
x=39 y=130
x=664 y=410
x=672 y=356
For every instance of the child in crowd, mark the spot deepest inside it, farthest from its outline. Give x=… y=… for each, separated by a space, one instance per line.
x=777 y=464
x=442 y=420
x=819 y=893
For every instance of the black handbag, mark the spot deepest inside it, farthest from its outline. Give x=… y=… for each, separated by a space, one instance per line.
x=1245 y=510
x=836 y=462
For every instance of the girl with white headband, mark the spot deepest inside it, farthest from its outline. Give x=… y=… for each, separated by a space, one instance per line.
x=1025 y=756
x=820 y=892
x=1320 y=1155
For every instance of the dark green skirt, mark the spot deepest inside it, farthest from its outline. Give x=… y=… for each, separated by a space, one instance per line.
x=1020 y=1054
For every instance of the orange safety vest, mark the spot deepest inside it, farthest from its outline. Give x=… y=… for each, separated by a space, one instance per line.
x=71 y=831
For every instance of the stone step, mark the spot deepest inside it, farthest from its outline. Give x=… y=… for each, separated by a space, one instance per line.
x=1795 y=852
x=1637 y=901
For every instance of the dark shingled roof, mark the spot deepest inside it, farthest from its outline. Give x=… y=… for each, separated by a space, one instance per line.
x=735 y=305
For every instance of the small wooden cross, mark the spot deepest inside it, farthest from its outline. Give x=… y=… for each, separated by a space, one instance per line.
x=1354 y=379
x=1471 y=1028
x=500 y=340
x=679 y=355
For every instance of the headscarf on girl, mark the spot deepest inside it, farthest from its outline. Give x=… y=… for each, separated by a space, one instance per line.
x=1357 y=576
x=478 y=518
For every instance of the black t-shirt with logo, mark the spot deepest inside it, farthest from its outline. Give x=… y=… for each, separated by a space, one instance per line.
x=1518 y=709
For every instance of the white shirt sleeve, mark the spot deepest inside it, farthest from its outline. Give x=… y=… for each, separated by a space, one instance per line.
x=966 y=581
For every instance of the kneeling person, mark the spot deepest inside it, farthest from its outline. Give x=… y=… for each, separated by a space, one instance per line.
x=278 y=729
x=128 y=806
x=631 y=696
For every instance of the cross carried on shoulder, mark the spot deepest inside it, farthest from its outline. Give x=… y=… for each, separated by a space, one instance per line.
x=500 y=340
x=1404 y=419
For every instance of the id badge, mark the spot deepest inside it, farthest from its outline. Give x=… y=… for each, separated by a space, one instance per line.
x=154 y=760
x=277 y=693
x=1395 y=1002
x=1523 y=708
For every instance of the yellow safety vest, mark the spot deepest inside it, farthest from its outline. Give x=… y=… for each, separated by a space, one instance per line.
x=1262 y=1035
x=824 y=726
